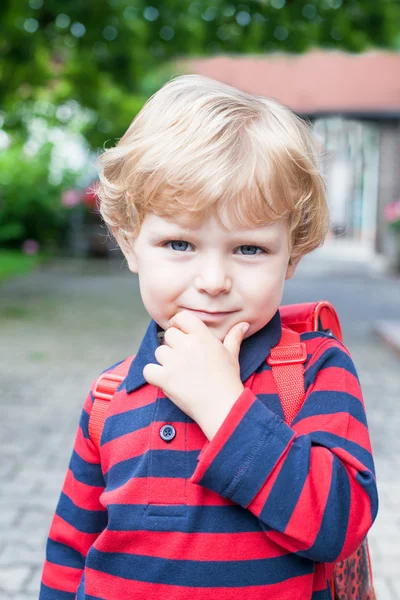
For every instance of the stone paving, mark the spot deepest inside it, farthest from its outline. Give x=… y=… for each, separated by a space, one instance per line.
x=60 y=327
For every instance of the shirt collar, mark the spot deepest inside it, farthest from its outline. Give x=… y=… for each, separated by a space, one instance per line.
x=253 y=352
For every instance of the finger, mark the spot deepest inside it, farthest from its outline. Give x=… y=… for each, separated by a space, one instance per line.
x=234 y=338
x=153 y=374
x=173 y=336
x=162 y=353
x=187 y=322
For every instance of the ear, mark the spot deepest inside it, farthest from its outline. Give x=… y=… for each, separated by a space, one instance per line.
x=128 y=251
x=291 y=268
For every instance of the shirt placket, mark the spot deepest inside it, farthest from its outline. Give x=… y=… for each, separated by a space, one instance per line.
x=168 y=474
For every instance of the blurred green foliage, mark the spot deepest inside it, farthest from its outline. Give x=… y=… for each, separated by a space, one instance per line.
x=106 y=54
x=30 y=205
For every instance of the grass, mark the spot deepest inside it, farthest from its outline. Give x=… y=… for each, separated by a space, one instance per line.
x=14 y=263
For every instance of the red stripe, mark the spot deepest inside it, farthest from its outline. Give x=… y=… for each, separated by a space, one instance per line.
x=122 y=401
x=319 y=578
x=164 y=490
x=340 y=424
x=64 y=533
x=125 y=447
x=227 y=428
x=193 y=546
x=116 y=588
x=301 y=531
x=81 y=494
x=359 y=519
x=64 y=579
x=264 y=383
x=349 y=459
x=337 y=379
x=85 y=448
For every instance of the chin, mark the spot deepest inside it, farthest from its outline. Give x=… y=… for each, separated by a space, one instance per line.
x=217 y=332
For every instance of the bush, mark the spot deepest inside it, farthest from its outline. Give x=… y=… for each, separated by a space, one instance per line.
x=30 y=205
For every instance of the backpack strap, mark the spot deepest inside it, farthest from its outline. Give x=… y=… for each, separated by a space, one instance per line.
x=287 y=361
x=104 y=389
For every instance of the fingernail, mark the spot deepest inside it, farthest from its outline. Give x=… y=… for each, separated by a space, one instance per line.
x=245 y=327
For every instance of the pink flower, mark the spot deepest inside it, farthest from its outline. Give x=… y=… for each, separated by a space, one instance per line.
x=30 y=247
x=71 y=198
x=392 y=211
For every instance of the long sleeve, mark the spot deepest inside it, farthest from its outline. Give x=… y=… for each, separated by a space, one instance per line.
x=311 y=485
x=78 y=520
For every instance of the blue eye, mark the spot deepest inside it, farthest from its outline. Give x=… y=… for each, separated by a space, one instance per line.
x=178 y=245
x=249 y=250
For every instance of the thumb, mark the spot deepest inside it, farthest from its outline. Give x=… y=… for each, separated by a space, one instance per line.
x=234 y=338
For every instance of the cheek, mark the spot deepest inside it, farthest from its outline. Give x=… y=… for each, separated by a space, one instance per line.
x=159 y=283
x=266 y=283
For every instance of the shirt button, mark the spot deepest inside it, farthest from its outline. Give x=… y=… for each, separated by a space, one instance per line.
x=167 y=433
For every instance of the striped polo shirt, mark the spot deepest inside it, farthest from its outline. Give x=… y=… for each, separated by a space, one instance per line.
x=256 y=513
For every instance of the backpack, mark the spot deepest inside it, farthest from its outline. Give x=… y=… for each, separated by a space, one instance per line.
x=352 y=577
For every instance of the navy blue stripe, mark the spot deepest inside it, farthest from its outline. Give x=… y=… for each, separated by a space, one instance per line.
x=368 y=482
x=139 y=418
x=248 y=456
x=198 y=519
x=84 y=423
x=280 y=504
x=85 y=472
x=322 y=595
x=332 y=357
x=330 y=402
x=263 y=367
x=48 y=593
x=200 y=574
x=131 y=420
x=272 y=401
x=154 y=463
x=60 y=554
x=335 y=441
x=331 y=536
x=311 y=335
x=86 y=521
x=80 y=593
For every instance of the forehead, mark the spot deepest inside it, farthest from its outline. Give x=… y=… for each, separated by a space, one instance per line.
x=185 y=224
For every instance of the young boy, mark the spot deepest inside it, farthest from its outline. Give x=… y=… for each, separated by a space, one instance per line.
x=201 y=490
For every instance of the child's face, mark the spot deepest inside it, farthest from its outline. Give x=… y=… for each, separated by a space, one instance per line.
x=237 y=275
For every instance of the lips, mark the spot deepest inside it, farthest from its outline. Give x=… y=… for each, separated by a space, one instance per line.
x=205 y=314
x=211 y=312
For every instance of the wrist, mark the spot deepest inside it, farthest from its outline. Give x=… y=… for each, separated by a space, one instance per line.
x=213 y=418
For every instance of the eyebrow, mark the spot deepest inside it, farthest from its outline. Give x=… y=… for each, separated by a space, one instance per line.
x=251 y=235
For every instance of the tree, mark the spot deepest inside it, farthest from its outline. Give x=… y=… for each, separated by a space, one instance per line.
x=110 y=55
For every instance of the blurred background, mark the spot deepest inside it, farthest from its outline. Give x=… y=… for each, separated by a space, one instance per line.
x=73 y=75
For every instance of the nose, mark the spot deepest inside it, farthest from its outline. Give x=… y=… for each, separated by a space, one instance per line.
x=212 y=277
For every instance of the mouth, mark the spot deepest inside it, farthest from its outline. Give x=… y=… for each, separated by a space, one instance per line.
x=208 y=315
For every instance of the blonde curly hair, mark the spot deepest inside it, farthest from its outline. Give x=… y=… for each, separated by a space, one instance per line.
x=198 y=146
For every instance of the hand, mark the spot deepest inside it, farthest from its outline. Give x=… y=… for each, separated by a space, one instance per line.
x=200 y=374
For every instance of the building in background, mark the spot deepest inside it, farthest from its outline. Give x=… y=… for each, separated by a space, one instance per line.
x=353 y=101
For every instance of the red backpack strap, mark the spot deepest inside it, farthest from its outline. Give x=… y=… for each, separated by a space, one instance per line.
x=104 y=390
x=287 y=361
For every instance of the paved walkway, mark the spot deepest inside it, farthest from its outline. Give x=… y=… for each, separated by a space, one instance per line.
x=62 y=326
